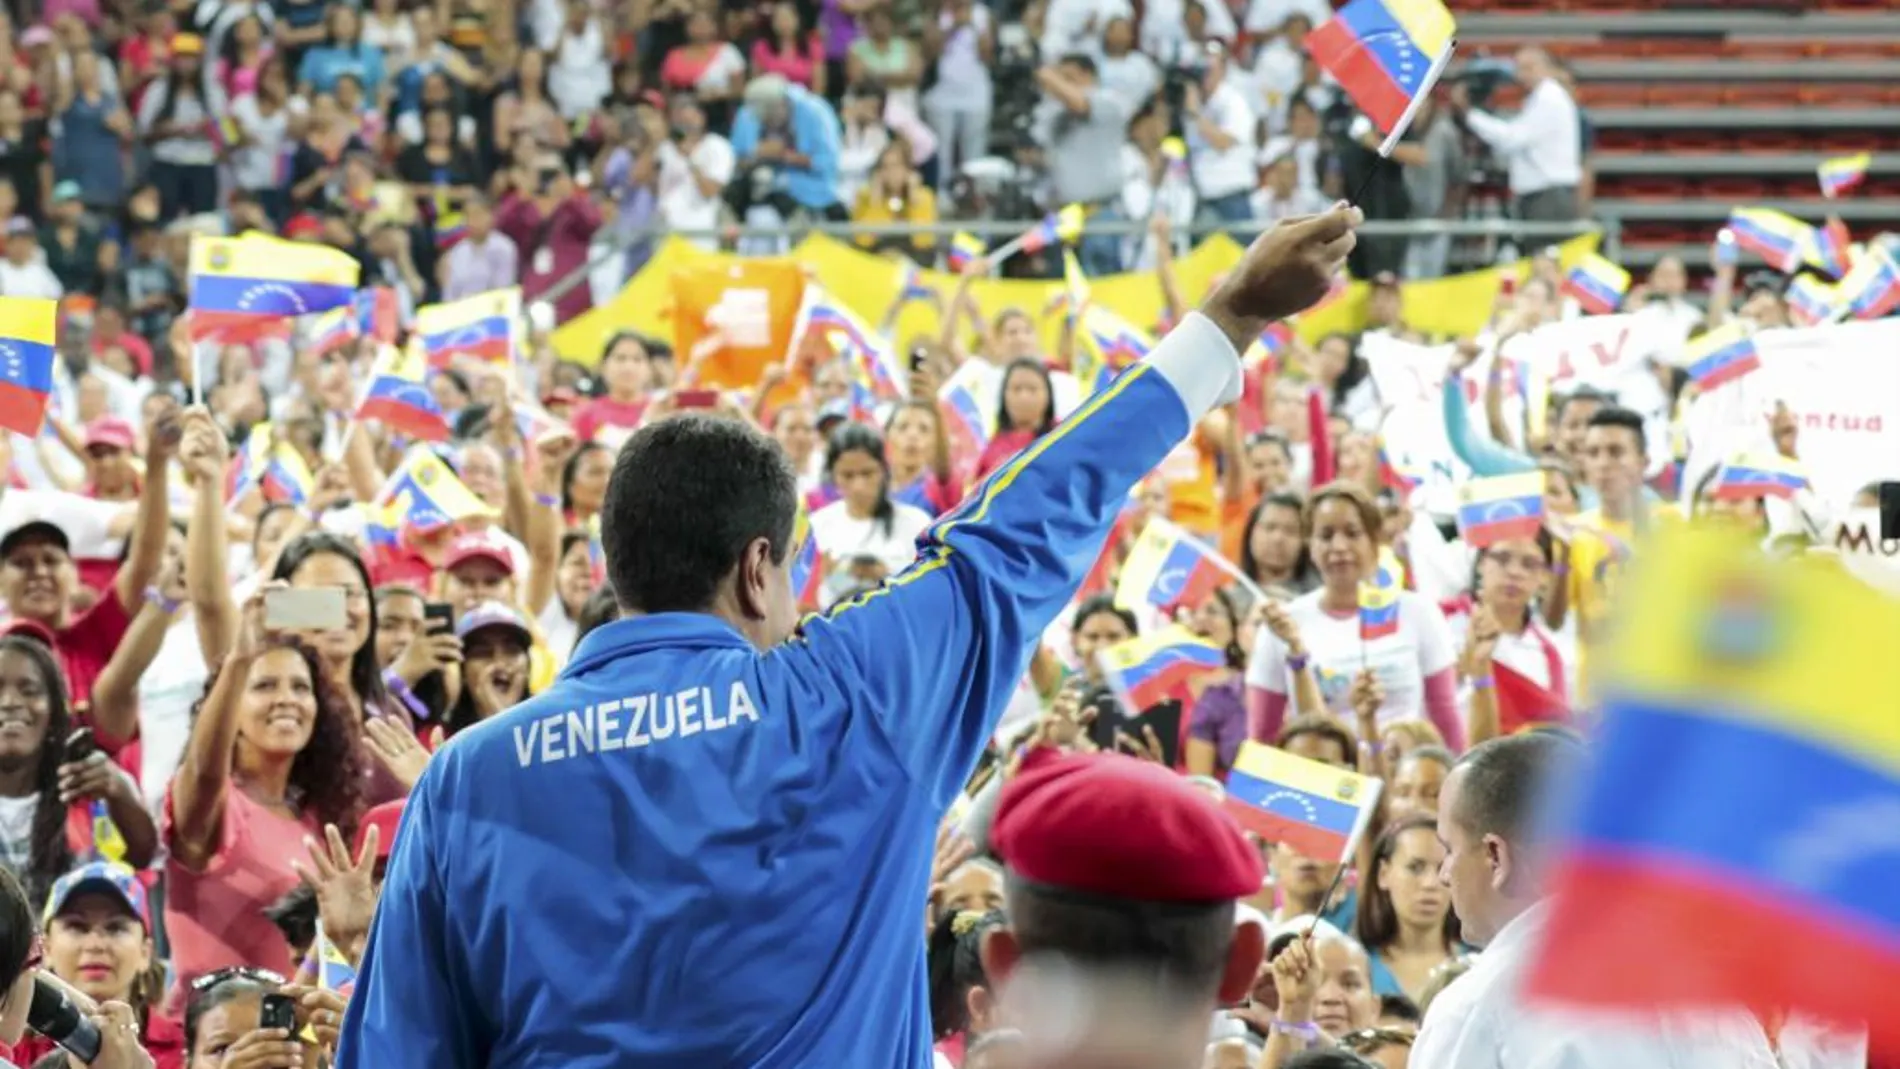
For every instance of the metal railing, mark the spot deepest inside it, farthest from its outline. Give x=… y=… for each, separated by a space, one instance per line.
x=1495 y=229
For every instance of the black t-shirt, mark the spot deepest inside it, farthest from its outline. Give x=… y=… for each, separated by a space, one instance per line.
x=20 y=162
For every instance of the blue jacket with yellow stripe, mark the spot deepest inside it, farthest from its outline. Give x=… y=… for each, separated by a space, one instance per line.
x=691 y=853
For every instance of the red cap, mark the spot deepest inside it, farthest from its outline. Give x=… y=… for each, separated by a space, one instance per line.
x=110 y=431
x=478 y=545
x=1111 y=825
x=384 y=818
x=32 y=629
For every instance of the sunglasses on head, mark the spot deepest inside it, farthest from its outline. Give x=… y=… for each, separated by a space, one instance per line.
x=1366 y=1040
x=235 y=972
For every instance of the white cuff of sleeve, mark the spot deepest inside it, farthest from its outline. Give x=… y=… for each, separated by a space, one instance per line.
x=1200 y=363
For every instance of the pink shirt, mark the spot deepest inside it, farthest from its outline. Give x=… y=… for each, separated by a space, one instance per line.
x=215 y=916
x=796 y=68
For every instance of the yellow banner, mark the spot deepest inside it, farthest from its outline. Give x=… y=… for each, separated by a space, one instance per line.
x=1459 y=305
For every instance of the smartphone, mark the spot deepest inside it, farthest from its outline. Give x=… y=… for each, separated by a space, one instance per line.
x=696 y=399
x=438 y=618
x=1726 y=252
x=80 y=745
x=277 y=1011
x=918 y=356
x=316 y=608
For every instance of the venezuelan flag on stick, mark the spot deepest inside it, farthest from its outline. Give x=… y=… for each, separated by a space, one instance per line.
x=1597 y=284
x=426 y=494
x=1146 y=671
x=1776 y=237
x=1769 y=685
x=377 y=313
x=965 y=248
x=1828 y=247
x=1500 y=509
x=910 y=284
x=1169 y=567
x=1758 y=475
x=1379 y=598
x=398 y=397
x=1872 y=286
x=1843 y=173
x=1386 y=55
x=482 y=326
x=334 y=329
x=1522 y=703
x=1721 y=355
x=808 y=565
x=1317 y=809
x=870 y=352
x=28 y=326
x=259 y=278
x=1812 y=301
x=1062 y=227
x=967 y=426
x=275 y=468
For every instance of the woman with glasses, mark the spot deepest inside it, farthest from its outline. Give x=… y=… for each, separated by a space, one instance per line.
x=1405 y=920
x=1274 y=553
x=273 y=757
x=1501 y=630
x=97 y=938
x=223 y=1016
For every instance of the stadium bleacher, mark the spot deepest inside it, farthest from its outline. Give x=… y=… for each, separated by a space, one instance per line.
x=1697 y=111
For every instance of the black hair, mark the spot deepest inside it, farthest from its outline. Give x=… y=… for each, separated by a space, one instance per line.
x=1504 y=780
x=50 y=856
x=295 y=915
x=1327 y=1059
x=1545 y=546
x=857 y=438
x=1229 y=600
x=1103 y=603
x=601 y=608
x=125 y=551
x=1322 y=725
x=1376 y=923
x=19 y=925
x=688 y=495
x=955 y=966
x=1048 y=417
x=572 y=468
x=223 y=992
x=1618 y=416
x=1398 y=1007
x=463 y=715
x=1250 y=564
x=366 y=677
x=1183 y=945
x=1357 y=370
x=613 y=342
x=1081 y=61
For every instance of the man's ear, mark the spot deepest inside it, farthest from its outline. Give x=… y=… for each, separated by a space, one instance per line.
x=750 y=578
x=1244 y=956
x=1497 y=854
x=1001 y=954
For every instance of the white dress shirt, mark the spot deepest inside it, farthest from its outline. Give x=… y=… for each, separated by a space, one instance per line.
x=1224 y=172
x=1542 y=145
x=1481 y=1022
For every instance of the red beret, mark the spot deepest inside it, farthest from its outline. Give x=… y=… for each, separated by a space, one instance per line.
x=1111 y=825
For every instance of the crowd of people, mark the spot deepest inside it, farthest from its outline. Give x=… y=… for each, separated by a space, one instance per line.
x=202 y=800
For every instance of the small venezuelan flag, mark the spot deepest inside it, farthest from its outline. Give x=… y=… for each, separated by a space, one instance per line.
x=1768 y=684
x=1597 y=284
x=263 y=277
x=1828 y=247
x=1061 y=227
x=427 y=494
x=1385 y=54
x=1776 y=237
x=1812 y=301
x=482 y=326
x=1318 y=810
x=1501 y=508
x=28 y=326
x=808 y=565
x=1842 y=173
x=1169 y=567
x=868 y=351
x=1758 y=475
x=1146 y=671
x=965 y=249
x=968 y=429
x=1872 y=286
x=1379 y=598
x=910 y=284
x=377 y=312
x=334 y=329
x=1721 y=356
x=398 y=397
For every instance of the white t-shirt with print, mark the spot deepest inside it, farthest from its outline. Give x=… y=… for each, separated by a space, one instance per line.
x=1402 y=660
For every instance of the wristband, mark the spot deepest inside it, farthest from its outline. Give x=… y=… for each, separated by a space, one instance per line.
x=156 y=598
x=1560 y=570
x=399 y=689
x=512 y=454
x=551 y=501
x=1305 y=1031
x=1296 y=664
x=1482 y=683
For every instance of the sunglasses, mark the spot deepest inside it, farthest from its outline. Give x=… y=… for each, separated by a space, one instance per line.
x=1366 y=1040
x=235 y=972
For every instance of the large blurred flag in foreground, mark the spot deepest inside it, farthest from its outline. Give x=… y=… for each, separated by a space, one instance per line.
x=1386 y=55
x=28 y=327
x=1755 y=864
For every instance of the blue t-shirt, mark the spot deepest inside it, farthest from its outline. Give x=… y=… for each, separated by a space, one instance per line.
x=690 y=852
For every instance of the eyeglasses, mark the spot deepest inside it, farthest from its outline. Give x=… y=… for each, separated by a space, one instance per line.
x=235 y=972
x=1525 y=562
x=1366 y=1040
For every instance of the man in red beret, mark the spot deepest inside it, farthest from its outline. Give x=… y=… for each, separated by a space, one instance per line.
x=1121 y=886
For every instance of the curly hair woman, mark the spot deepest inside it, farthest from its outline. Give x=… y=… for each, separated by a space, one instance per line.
x=274 y=756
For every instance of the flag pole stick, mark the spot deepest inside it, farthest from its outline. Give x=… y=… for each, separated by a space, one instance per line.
x=1391 y=141
x=1319 y=911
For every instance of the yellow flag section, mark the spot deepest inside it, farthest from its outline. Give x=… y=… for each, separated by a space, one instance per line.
x=1457 y=305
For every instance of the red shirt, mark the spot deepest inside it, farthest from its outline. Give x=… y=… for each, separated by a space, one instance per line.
x=164 y=1040
x=607 y=412
x=86 y=643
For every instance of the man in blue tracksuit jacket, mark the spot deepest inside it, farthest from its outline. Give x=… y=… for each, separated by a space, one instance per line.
x=708 y=844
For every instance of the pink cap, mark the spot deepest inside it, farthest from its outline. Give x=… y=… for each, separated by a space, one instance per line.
x=110 y=431
x=478 y=545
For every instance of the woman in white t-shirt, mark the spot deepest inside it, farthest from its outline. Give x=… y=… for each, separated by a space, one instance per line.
x=1311 y=647
x=864 y=536
x=1498 y=629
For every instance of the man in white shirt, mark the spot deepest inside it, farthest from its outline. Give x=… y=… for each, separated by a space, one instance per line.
x=694 y=169
x=1541 y=146
x=1496 y=864
x=1222 y=139
x=23 y=272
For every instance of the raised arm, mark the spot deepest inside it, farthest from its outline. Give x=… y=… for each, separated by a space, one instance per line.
x=147 y=550
x=207 y=580
x=991 y=574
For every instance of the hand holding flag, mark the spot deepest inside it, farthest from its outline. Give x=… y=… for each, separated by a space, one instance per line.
x=1387 y=55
